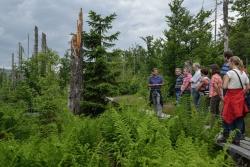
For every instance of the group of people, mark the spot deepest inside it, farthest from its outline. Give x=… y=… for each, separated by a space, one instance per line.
x=227 y=85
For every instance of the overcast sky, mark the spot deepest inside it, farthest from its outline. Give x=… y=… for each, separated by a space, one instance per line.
x=57 y=18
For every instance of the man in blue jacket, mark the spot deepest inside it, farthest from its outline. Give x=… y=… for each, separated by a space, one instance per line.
x=155 y=82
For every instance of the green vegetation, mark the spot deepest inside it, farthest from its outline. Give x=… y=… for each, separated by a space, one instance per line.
x=37 y=129
x=126 y=136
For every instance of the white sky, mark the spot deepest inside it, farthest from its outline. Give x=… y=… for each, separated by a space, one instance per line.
x=135 y=18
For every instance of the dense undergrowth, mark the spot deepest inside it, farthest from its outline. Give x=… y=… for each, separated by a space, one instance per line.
x=124 y=136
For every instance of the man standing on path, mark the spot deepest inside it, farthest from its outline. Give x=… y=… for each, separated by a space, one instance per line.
x=155 y=82
x=195 y=80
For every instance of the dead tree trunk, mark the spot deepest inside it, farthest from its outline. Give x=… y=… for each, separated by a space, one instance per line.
x=76 y=80
x=215 y=20
x=20 y=60
x=13 y=71
x=20 y=55
x=28 y=48
x=35 y=52
x=44 y=43
x=43 y=65
x=226 y=27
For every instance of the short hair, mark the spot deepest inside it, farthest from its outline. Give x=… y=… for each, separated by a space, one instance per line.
x=178 y=68
x=187 y=69
x=228 y=54
x=204 y=71
x=154 y=69
x=215 y=69
x=196 y=65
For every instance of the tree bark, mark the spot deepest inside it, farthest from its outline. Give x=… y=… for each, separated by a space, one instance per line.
x=13 y=71
x=226 y=27
x=20 y=60
x=76 y=80
x=35 y=52
x=44 y=63
x=215 y=20
x=44 y=43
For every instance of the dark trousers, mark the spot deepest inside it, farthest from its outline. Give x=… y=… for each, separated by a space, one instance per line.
x=215 y=104
x=177 y=95
x=237 y=125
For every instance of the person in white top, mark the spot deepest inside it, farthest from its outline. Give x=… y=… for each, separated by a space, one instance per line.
x=236 y=82
x=195 y=81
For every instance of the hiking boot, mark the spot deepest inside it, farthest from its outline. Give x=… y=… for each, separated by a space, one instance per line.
x=236 y=142
x=243 y=136
x=221 y=139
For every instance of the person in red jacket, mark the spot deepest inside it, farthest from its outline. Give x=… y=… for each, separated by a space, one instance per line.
x=237 y=83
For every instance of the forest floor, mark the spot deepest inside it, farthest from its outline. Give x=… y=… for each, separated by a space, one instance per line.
x=168 y=107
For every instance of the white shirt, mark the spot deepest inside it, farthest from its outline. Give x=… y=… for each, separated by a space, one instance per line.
x=195 y=80
x=234 y=82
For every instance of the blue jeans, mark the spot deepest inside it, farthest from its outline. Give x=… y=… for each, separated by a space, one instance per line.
x=196 y=97
x=237 y=124
x=156 y=97
x=177 y=95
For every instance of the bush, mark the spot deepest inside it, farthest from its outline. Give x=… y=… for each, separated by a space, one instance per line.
x=129 y=137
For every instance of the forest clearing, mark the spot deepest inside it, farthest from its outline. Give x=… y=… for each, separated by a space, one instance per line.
x=98 y=105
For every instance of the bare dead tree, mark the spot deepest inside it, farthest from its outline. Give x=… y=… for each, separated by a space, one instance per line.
x=43 y=63
x=215 y=20
x=20 y=61
x=226 y=27
x=20 y=55
x=76 y=80
x=13 y=71
x=44 y=43
x=35 y=52
x=28 y=47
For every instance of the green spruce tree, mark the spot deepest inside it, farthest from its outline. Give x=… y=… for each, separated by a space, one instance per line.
x=100 y=80
x=240 y=30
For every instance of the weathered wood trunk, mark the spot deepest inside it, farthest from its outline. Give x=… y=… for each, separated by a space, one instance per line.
x=215 y=20
x=35 y=52
x=44 y=43
x=28 y=47
x=13 y=71
x=76 y=80
x=44 y=64
x=20 y=60
x=226 y=27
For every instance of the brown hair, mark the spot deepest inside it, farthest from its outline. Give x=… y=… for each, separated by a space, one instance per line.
x=178 y=68
x=237 y=61
x=215 y=69
x=204 y=71
x=153 y=69
x=187 y=69
x=228 y=54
